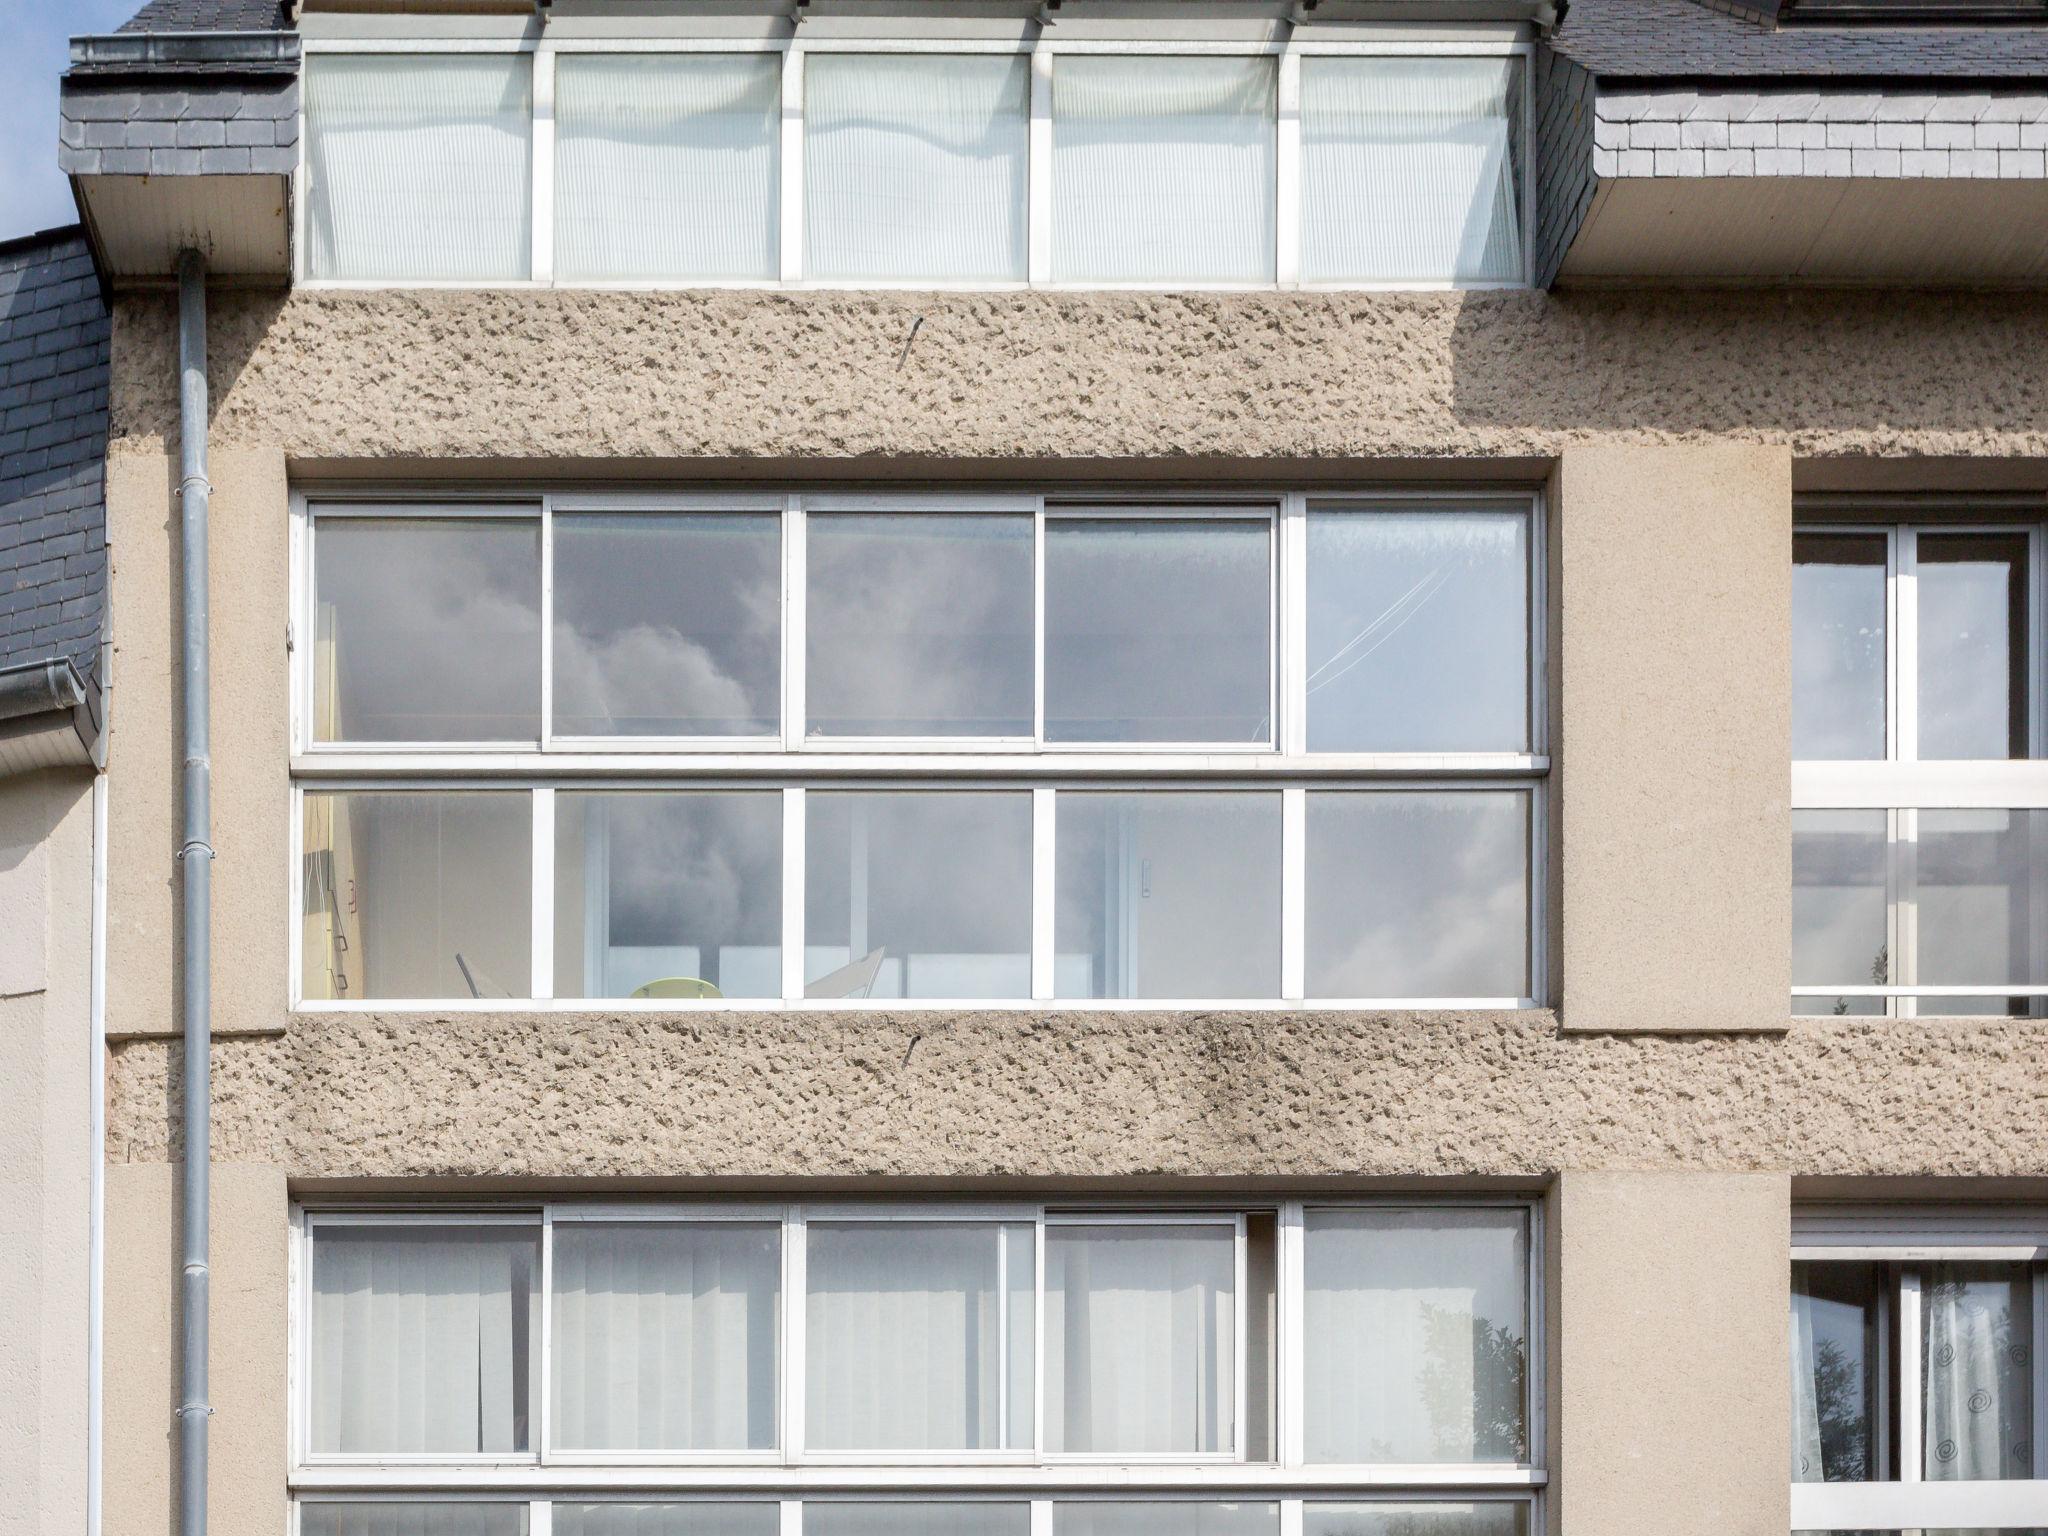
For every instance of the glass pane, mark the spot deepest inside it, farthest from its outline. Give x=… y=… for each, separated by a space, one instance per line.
x=1976 y=1359
x=919 y=624
x=1163 y=1517
x=916 y=167
x=665 y=1335
x=1835 y=1352
x=425 y=1340
x=1158 y=629
x=917 y=895
x=875 y=1517
x=666 y=165
x=395 y=1517
x=1140 y=1339
x=694 y=1517
x=1418 y=1322
x=1982 y=892
x=668 y=626
x=419 y=168
x=417 y=894
x=426 y=629
x=1418 y=630
x=1164 y=170
x=668 y=895
x=906 y=1326
x=1838 y=646
x=1839 y=921
x=1168 y=895
x=1418 y=894
x=1973 y=645
x=1408 y=170
x=1436 y=1517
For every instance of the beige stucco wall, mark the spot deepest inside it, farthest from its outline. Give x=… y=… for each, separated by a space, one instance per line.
x=1670 y=1406
x=48 y=1073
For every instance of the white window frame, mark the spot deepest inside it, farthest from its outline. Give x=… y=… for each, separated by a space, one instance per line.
x=1906 y=1499
x=791 y=1472
x=1044 y=47
x=1903 y=784
x=791 y=764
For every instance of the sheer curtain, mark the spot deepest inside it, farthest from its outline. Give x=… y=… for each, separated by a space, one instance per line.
x=1407 y=170
x=665 y=165
x=665 y=1336
x=692 y=1517
x=916 y=167
x=1163 y=1517
x=418 y=167
x=423 y=1339
x=1420 y=1324
x=904 y=1330
x=1976 y=1358
x=1164 y=169
x=390 y=1518
x=1141 y=1339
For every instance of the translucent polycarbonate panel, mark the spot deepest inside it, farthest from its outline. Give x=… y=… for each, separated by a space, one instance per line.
x=916 y=166
x=1977 y=1372
x=668 y=894
x=1164 y=170
x=1158 y=629
x=913 y=1335
x=665 y=1335
x=1418 y=630
x=423 y=1340
x=411 y=1517
x=1430 y=1517
x=1418 y=893
x=668 y=625
x=1837 y=1418
x=1410 y=170
x=1839 y=646
x=666 y=165
x=1980 y=889
x=1167 y=895
x=919 y=624
x=426 y=629
x=1164 y=1517
x=917 y=894
x=1140 y=1339
x=916 y=1517
x=680 y=1517
x=417 y=894
x=1973 y=645
x=419 y=167
x=1420 y=1328
x=1840 y=917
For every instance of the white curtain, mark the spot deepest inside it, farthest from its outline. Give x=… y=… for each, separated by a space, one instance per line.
x=916 y=166
x=904 y=1339
x=904 y=1518
x=1164 y=169
x=665 y=1336
x=1163 y=1517
x=1419 y=1322
x=684 y=1517
x=395 y=1518
x=666 y=165
x=1140 y=1339
x=423 y=1339
x=420 y=167
x=1433 y=1517
x=1809 y=1464
x=1977 y=1353
x=1407 y=174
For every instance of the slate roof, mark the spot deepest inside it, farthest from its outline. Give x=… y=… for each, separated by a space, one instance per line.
x=1685 y=39
x=53 y=448
x=209 y=16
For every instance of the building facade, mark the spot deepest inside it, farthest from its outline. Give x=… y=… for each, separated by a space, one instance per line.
x=1087 y=769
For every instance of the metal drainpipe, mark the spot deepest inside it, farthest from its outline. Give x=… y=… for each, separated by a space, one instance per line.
x=195 y=852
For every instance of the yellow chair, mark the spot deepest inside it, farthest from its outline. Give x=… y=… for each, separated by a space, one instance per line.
x=685 y=988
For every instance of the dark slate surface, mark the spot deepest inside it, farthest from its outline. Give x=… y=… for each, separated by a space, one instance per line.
x=53 y=446
x=165 y=125
x=209 y=16
x=1687 y=39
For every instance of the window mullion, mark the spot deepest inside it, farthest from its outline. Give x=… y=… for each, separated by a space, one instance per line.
x=795 y=626
x=1039 y=169
x=543 y=1411
x=1905 y=646
x=1289 y=1398
x=1293 y=893
x=547 y=623
x=793 y=163
x=1287 y=168
x=543 y=904
x=793 y=893
x=542 y=259
x=1912 y=1393
x=1044 y=888
x=795 y=1289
